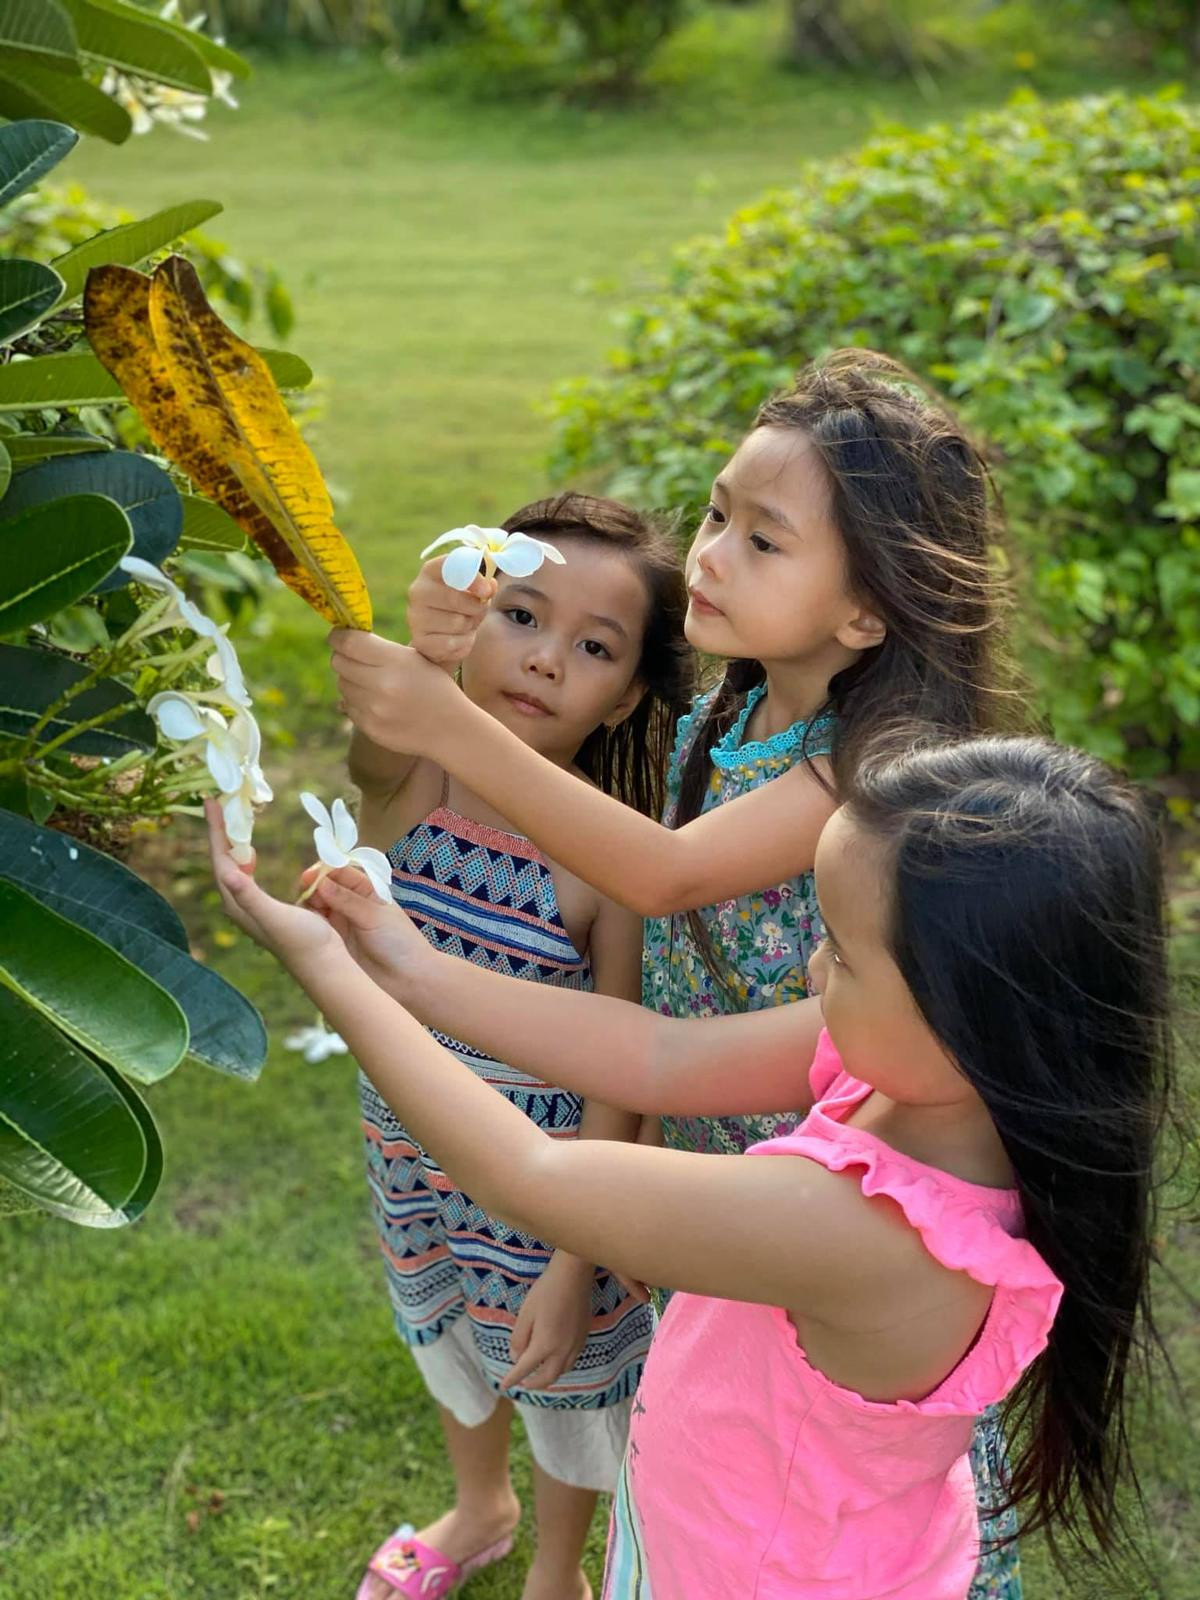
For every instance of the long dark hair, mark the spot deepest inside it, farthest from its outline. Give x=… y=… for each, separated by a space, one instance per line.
x=911 y=498
x=630 y=760
x=1027 y=918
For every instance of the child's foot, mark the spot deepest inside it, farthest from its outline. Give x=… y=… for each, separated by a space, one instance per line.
x=553 y=1586
x=460 y=1535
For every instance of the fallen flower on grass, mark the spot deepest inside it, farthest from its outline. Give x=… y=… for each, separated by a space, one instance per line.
x=316 y=1042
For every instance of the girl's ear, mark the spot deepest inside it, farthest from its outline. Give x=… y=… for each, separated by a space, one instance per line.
x=626 y=705
x=863 y=630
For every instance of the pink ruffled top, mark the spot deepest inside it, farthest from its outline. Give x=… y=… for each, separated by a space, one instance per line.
x=752 y=1474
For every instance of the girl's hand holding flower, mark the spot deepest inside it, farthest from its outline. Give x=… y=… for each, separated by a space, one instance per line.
x=391 y=693
x=443 y=622
x=377 y=933
x=307 y=944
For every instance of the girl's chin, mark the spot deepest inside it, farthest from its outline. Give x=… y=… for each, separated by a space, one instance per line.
x=713 y=635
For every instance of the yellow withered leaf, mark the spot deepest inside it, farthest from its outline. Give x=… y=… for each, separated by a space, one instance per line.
x=211 y=405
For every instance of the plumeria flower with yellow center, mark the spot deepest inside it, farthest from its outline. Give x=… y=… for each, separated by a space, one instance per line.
x=514 y=554
x=231 y=754
x=336 y=839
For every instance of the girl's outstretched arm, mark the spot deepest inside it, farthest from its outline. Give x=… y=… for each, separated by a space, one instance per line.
x=597 y=1045
x=657 y=1215
x=399 y=701
x=380 y=771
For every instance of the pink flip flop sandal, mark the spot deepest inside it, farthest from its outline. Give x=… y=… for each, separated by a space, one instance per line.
x=416 y=1570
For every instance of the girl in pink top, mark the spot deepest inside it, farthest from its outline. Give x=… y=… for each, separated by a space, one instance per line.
x=963 y=1215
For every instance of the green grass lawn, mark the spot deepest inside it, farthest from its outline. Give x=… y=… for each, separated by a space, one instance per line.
x=212 y=1404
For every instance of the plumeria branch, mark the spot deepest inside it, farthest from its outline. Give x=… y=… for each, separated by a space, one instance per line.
x=213 y=723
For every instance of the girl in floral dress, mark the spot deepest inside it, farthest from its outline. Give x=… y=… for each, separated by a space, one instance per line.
x=842 y=571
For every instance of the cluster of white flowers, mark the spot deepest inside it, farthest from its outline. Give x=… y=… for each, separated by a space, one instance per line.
x=214 y=721
x=149 y=103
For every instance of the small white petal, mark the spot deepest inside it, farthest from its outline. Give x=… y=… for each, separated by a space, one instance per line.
x=192 y=617
x=551 y=552
x=260 y=790
x=454 y=536
x=519 y=557
x=226 y=769
x=178 y=717
x=316 y=810
x=328 y=849
x=245 y=735
x=147 y=573
x=377 y=868
x=224 y=666
x=461 y=567
x=239 y=818
x=345 y=830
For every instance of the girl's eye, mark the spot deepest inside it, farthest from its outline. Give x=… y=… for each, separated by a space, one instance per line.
x=520 y=616
x=713 y=513
x=761 y=544
x=595 y=648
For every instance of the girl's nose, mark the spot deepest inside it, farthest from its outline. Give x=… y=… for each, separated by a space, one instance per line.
x=710 y=554
x=544 y=659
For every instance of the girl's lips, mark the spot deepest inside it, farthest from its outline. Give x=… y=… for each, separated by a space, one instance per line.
x=703 y=606
x=529 y=704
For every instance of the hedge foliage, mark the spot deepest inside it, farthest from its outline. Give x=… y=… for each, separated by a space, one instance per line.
x=1041 y=265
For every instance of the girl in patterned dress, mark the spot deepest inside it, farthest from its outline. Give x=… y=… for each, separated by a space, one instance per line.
x=842 y=569
x=588 y=665
x=965 y=1213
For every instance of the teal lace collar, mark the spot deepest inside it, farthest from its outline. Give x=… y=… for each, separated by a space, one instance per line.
x=729 y=751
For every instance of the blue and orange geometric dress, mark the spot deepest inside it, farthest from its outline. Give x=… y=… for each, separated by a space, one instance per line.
x=453 y=1271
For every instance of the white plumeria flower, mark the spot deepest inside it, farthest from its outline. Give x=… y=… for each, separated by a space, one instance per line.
x=224 y=668
x=515 y=554
x=316 y=1042
x=182 y=613
x=231 y=754
x=223 y=665
x=336 y=839
x=148 y=103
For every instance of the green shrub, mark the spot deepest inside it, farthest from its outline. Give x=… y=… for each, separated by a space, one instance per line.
x=604 y=45
x=1040 y=264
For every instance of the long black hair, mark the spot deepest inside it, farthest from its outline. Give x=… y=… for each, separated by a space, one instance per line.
x=1027 y=918
x=630 y=760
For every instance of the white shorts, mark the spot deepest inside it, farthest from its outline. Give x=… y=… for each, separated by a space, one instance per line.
x=576 y=1445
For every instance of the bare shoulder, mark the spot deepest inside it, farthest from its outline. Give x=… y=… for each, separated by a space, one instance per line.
x=385 y=817
x=872 y=1254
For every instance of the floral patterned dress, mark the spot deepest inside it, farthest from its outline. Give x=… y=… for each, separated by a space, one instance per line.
x=763 y=942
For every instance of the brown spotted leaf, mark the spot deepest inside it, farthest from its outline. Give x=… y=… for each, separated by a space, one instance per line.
x=211 y=405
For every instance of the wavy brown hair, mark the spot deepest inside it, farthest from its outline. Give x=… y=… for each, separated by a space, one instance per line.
x=912 y=500
x=630 y=760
